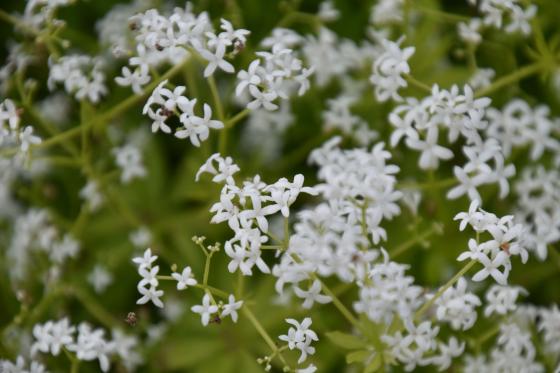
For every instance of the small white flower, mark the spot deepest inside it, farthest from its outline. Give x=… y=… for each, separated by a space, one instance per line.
x=231 y=308
x=184 y=279
x=312 y=295
x=27 y=138
x=150 y=294
x=205 y=309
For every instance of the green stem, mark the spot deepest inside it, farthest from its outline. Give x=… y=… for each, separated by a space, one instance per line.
x=418 y=84
x=440 y=292
x=96 y=309
x=429 y=185
x=337 y=303
x=104 y=118
x=222 y=145
x=511 y=78
x=264 y=334
x=402 y=248
x=439 y=14
x=236 y=118
x=207 y=268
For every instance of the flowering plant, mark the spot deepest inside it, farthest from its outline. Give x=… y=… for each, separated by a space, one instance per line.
x=328 y=187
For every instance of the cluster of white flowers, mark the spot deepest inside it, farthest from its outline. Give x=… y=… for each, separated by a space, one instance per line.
x=333 y=237
x=339 y=116
x=10 y=131
x=300 y=337
x=330 y=55
x=148 y=286
x=461 y=115
x=513 y=16
x=419 y=346
x=538 y=201
x=100 y=278
x=160 y=38
x=388 y=292
x=170 y=103
x=502 y=299
x=246 y=209
x=81 y=75
x=507 y=239
x=420 y=123
x=388 y=70
x=92 y=195
x=34 y=232
x=19 y=366
x=89 y=344
x=457 y=306
x=274 y=74
x=385 y=12
x=39 y=14
x=209 y=307
x=518 y=125
x=129 y=159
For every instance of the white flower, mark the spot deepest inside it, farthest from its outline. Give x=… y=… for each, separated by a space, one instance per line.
x=300 y=338
x=457 y=306
x=502 y=299
x=184 y=279
x=100 y=278
x=90 y=193
x=263 y=99
x=388 y=69
x=432 y=152
x=146 y=260
x=467 y=184
x=231 y=308
x=129 y=160
x=150 y=294
x=491 y=267
x=312 y=295
x=249 y=77
x=27 y=138
x=205 y=310
x=215 y=59
x=136 y=79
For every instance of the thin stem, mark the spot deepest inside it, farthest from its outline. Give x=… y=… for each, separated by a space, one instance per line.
x=222 y=145
x=207 y=268
x=264 y=334
x=436 y=13
x=429 y=185
x=402 y=248
x=337 y=303
x=104 y=118
x=90 y=303
x=418 y=84
x=441 y=290
x=236 y=118
x=511 y=78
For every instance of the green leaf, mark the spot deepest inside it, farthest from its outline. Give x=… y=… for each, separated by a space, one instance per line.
x=347 y=341
x=357 y=356
x=374 y=365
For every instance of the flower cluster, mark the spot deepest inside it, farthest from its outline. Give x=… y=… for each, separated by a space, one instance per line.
x=388 y=70
x=164 y=104
x=246 y=209
x=81 y=75
x=87 y=345
x=273 y=75
x=300 y=337
x=34 y=231
x=511 y=15
x=507 y=239
x=10 y=131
